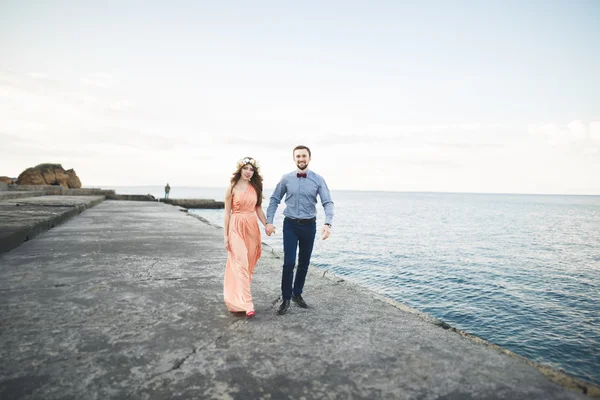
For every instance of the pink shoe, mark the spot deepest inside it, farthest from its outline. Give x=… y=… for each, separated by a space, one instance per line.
x=250 y=314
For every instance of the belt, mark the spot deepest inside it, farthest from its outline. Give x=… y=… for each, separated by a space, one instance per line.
x=301 y=221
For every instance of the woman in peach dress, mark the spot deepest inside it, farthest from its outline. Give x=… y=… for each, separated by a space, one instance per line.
x=243 y=201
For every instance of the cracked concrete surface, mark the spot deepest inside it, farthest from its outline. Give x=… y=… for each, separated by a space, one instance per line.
x=125 y=301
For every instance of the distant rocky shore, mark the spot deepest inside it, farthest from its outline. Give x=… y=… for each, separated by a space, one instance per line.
x=50 y=179
x=46 y=174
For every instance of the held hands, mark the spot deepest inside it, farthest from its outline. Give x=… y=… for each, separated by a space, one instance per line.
x=326 y=232
x=269 y=229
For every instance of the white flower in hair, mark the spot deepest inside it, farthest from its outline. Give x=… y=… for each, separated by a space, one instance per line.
x=248 y=160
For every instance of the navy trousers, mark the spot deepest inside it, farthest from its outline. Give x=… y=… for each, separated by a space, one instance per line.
x=296 y=236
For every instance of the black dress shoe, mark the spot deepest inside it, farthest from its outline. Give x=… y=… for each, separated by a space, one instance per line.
x=285 y=305
x=300 y=301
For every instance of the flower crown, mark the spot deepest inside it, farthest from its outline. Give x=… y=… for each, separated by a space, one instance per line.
x=248 y=160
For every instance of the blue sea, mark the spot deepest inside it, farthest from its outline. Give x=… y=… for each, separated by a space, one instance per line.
x=520 y=271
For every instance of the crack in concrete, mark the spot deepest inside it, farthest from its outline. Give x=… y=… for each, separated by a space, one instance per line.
x=161 y=279
x=177 y=365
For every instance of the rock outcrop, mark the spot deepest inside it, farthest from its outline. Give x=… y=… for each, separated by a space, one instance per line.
x=73 y=180
x=7 y=180
x=49 y=174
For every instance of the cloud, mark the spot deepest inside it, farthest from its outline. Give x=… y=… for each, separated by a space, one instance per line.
x=548 y=130
x=38 y=75
x=32 y=82
x=465 y=145
x=574 y=133
x=273 y=143
x=197 y=138
x=120 y=105
x=101 y=80
x=21 y=125
x=595 y=130
x=577 y=129
x=460 y=136
x=432 y=163
x=337 y=139
x=76 y=119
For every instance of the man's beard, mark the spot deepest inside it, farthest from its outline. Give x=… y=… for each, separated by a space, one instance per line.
x=302 y=168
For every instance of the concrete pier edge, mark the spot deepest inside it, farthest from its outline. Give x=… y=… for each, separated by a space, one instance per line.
x=554 y=375
x=194 y=203
x=26 y=232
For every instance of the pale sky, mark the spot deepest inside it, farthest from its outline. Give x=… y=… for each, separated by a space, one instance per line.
x=461 y=96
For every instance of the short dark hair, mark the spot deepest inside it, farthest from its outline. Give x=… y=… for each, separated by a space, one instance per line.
x=301 y=147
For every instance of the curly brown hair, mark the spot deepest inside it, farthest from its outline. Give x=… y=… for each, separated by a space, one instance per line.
x=256 y=181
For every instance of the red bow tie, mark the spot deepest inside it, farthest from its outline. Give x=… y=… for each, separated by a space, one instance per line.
x=299 y=175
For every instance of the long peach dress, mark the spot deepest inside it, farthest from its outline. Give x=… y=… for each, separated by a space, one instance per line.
x=244 y=251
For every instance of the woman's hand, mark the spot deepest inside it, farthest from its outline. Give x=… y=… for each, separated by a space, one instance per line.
x=226 y=240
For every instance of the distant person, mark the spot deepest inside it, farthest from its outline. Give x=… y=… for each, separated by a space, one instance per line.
x=243 y=200
x=300 y=188
x=167 y=191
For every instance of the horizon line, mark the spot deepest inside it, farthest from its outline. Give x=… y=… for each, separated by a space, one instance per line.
x=373 y=190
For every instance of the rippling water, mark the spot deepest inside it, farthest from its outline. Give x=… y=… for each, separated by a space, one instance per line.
x=520 y=271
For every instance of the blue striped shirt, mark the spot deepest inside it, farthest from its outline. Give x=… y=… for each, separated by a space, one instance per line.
x=301 y=197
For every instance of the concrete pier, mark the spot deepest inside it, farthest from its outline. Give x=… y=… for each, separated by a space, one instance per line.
x=195 y=203
x=23 y=217
x=20 y=191
x=125 y=302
